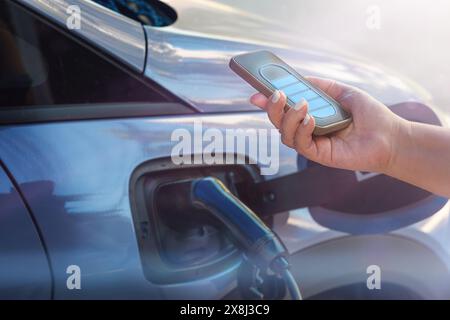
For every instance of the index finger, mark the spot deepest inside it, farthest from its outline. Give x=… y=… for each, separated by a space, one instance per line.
x=259 y=100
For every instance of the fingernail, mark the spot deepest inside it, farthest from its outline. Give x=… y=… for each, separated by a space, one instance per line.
x=306 y=119
x=300 y=104
x=276 y=96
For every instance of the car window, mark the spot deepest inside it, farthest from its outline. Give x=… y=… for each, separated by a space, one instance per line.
x=150 y=12
x=42 y=65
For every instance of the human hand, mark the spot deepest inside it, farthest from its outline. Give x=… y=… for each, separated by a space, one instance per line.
x=367 y=144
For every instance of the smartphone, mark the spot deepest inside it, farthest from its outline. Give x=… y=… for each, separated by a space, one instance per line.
x=265 y=72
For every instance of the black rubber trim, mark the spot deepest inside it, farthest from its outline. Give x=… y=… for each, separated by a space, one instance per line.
x=22 y=115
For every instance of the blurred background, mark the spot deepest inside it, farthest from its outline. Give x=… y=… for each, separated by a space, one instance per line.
x=409 y=37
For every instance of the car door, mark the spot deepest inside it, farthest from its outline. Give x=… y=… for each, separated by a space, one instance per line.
x=24 y=265
x=78 y=129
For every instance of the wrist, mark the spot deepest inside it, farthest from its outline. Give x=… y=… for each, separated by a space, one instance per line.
x=401 y=135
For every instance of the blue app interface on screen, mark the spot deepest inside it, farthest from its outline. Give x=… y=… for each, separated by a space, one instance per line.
x=296 y=90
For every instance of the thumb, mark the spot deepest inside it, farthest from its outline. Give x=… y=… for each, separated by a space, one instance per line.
x=340 y=92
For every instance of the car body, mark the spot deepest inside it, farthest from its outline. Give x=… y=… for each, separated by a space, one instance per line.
x=65 y=192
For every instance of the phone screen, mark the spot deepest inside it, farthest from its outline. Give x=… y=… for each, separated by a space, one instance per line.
x=266 y=72
x=295 y=90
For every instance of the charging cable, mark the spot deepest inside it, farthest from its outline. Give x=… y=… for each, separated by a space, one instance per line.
x=247 y=230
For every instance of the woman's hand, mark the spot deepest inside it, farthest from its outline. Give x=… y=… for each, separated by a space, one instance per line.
x=367 y=144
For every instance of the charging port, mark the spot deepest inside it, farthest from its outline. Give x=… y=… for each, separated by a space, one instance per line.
x=177 y=241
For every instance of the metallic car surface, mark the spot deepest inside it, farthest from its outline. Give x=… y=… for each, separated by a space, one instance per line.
x=191 y=57
x=75 y=175
x=116 y=34
x=24 y=269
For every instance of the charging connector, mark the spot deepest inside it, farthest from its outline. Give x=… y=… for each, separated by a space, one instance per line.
x=248 y=232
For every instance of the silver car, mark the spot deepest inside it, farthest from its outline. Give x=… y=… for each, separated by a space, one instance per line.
x=91 y=95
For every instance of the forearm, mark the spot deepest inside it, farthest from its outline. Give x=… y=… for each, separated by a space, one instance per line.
x=421 y=156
